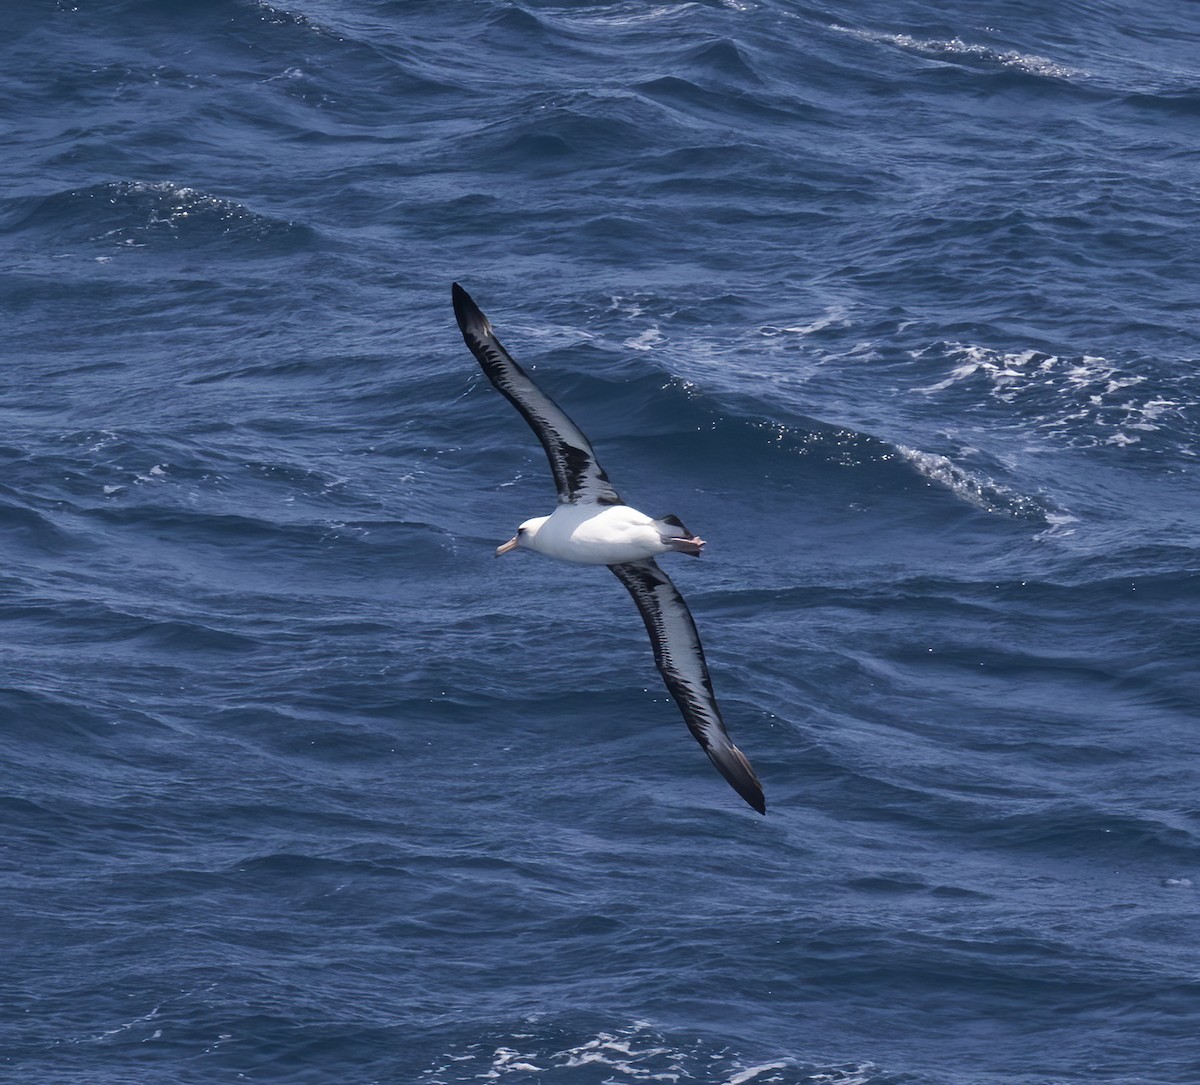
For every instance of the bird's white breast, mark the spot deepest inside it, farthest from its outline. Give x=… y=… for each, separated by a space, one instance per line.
x=598 y=535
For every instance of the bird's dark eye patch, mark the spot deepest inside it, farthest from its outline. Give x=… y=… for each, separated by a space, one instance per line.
x=520 y=531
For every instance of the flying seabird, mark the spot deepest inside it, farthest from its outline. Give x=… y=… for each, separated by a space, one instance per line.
x=593 y=526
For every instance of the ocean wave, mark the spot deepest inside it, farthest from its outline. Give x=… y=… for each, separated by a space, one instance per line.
x=723 y=432
x=110 y=628
x=39 y=721
x=142 y=214
x=282 y=15
x=1079 y=400
x=694 y=102
x=1073 y=829
x=25 y=528
x=983 y=492
x=724 y=58
x=565 y=133
x=623 y=16
x=1173 y=102
x=957 y=51
x=630 y=1054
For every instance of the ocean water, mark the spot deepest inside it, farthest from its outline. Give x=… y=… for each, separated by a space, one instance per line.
x=895 y=304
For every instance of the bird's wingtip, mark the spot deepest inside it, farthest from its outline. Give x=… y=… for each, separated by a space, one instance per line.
x=736 y=769
x=753 y=794
x=468 y=314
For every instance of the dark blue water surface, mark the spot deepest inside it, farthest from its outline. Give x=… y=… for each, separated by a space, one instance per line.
x=894 y=303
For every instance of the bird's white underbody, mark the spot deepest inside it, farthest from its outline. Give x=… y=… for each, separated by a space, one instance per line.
x=592 y=534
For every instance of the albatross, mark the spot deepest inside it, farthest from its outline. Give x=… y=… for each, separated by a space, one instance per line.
x=593 y=526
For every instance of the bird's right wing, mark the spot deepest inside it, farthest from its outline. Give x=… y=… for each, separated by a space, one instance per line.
x=680 y=660
x=577 y=473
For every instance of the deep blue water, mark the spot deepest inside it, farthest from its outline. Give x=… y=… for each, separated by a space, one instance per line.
x=895 y=304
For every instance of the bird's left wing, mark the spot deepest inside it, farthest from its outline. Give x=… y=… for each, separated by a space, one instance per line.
x=680 y=660
x=577 y=473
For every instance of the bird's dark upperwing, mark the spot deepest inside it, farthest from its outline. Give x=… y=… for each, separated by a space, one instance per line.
x=680 y=660
x=577 y=474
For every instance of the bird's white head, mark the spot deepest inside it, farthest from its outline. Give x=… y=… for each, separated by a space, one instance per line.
x=525 y=536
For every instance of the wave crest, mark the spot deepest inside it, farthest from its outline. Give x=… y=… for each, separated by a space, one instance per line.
x=957 y=51
x=635 y=1052
x=138 y=214
x=1083 y=400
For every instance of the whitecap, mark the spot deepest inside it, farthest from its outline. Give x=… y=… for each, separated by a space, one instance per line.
x=834 y=316
x=975 y=489
x=1085 y=399
x=647 y=340
x=638 y=1052
x=156 y=474
x=955 y=49
x=751 y=1072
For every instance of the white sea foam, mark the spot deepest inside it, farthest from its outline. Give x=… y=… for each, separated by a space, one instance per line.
x=625 y=305
x=835 y=316
x=1084 y=400
x=647 y=340
x=862 y=1074
x=157 y=473
x=955 y=49
x=634 y=1054
x=149 y=206
x=753 y=1072
x=276 y=14
x=625 y=16
x=976 y=489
